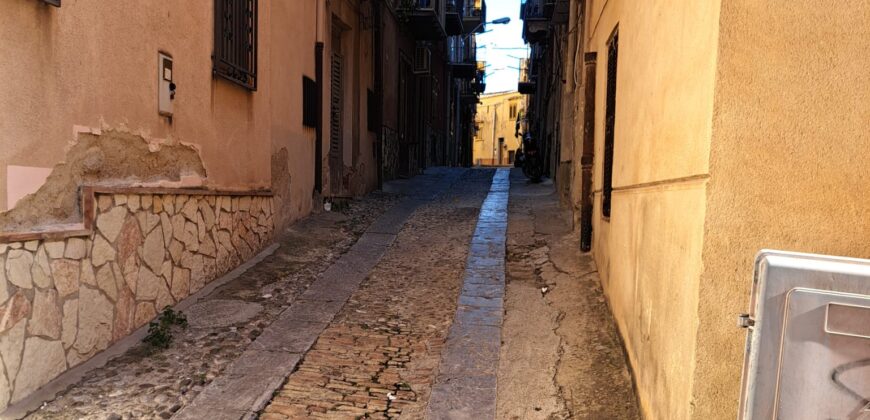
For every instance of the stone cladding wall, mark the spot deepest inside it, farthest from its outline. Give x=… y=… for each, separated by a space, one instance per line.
x=65 y=299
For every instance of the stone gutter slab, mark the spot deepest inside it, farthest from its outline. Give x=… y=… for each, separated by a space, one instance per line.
x=466 y=384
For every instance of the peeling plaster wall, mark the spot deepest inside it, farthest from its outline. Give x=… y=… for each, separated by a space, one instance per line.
x=111 y=157
x=789 y=162
x=65 y=301
x=93 y=63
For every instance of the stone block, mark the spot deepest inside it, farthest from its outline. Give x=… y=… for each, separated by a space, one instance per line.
x=55 y=249
x=104 y=202
x=145 y=312
x=66 y=276
x=133 y=202
x=87 y=275
x=11 y=345
x=41 y=270
x=95 y=321
x=166 y=225
x=106 y=281
x=157 y=203
x=18 y=264
x=76 y=249
x=180 y=283
x=190 y=209
x=125 y=313
x=110 y=222
x=148 y=284
x=69 y=325
x=147 y=221
x=154 y=250
x=43 y=360
x=147 y=201
x=102 y=251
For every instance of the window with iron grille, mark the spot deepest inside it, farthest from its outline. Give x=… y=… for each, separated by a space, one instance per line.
x=309 y=102
x=235 y=41
x=609 y=123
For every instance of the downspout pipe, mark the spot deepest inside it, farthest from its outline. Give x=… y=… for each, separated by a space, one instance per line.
x=379 y=87
x=318 y=76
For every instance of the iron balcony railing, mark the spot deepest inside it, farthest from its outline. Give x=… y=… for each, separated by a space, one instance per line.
x=418 y=4
x=537 y=9
x=462 y=50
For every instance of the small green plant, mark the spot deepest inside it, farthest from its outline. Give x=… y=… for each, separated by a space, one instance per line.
x=160 y=330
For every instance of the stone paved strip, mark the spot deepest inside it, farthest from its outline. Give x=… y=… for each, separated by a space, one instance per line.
x=466 y=384
x=250 y=381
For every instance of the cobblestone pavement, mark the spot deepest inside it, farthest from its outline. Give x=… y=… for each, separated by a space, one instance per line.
x=379 y=356
x=561 y=356
x=155 y=384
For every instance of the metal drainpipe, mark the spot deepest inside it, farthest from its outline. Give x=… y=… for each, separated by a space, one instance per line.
x=379 y=88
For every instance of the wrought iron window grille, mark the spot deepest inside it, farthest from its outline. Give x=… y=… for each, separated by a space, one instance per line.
x=235 y=42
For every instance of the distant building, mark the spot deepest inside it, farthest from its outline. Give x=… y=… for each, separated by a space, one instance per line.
x=499 y=130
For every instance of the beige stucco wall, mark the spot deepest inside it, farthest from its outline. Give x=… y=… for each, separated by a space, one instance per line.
x=495 y=110
x=649 y=251
x=82 y=89
x=788 y=162
x=94 y=63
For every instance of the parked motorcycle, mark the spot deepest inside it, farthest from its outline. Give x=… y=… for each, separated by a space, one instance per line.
x=532 y=162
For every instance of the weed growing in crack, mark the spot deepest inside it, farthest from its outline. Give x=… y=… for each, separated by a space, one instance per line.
x=160 y=330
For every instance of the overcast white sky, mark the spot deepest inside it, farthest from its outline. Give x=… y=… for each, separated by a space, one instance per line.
x=502 y=47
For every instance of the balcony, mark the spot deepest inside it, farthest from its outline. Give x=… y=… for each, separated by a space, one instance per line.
x=474 y=16
x=526 y=85
x=453 y=19
x=463 y=57
x=424 y=18
x=536 y=15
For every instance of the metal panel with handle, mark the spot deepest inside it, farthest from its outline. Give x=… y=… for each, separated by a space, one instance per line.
x=808 y=347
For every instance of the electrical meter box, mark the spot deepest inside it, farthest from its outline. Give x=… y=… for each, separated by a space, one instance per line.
x=808 y=342
x=165 y=85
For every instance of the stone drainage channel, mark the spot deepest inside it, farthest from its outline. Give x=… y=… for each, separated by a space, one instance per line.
x=466 y=384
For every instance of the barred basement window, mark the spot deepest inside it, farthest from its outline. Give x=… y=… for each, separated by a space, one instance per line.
x=609 y=122
x=235 y=41
x=309 y=102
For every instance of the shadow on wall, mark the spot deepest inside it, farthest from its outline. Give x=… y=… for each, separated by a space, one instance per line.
x=107 y=158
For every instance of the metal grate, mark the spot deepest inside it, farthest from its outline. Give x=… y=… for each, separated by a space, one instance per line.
x=609 y=123
x=335 y=123
x=235 y=41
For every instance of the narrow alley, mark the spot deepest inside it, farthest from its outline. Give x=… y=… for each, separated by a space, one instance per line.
x=434 y=209
x=356 y=312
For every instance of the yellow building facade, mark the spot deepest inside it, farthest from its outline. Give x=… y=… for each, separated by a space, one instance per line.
x=709 y=130
x=496 y=140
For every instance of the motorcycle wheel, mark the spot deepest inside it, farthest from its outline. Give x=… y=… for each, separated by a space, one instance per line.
x=533 y=169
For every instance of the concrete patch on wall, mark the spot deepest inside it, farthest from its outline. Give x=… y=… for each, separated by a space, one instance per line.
x=62 y=301
x=105 y=158
x=281 y=183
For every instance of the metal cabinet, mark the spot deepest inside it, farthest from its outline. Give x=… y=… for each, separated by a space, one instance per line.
x=808 y=345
